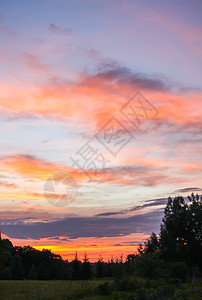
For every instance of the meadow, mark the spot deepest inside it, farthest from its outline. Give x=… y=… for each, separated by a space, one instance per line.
x=128 y=289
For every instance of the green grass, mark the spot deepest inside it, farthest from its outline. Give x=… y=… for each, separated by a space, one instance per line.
x=45 y=290
x=89 y=290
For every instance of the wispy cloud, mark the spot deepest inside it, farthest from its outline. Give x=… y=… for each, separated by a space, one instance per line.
x=59 y=30
x=189 y=190
x=33 y=62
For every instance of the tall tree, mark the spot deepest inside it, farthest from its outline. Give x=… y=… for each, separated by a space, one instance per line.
x=100 y=267
x=76 y=268
x=181 y=230
x=86 y=268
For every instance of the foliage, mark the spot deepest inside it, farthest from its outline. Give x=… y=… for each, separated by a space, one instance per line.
x=178 y=270
x=105 y=288
x=180 y=238
x=86 y=268
x=181 y=230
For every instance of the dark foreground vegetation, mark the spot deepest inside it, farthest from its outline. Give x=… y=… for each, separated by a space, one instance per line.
x=167 y=266
x=111 y=289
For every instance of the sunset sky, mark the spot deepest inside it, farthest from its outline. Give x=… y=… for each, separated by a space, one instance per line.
x=122 y=78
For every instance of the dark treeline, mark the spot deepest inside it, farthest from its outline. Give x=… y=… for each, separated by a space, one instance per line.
x=175 y=253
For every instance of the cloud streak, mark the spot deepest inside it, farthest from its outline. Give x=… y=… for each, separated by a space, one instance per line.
x=76 y=227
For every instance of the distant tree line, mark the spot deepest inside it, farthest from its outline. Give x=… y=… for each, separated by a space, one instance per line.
x=176 y=252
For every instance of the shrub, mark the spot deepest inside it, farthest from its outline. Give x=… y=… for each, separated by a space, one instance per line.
x=178 y=270
x=126 y=284
x=105 y=288
x=141 y=294
x=148 y=266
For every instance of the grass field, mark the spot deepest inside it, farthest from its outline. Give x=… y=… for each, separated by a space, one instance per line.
x=32 y=289
x=94 y=289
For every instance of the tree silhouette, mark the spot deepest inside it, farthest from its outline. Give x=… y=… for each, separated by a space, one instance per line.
x=86 y=268
x=100 y=267
x=181 y=230
x=76 y=268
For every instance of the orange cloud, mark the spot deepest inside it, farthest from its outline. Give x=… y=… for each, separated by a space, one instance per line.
x=28 y=166
x=139 y=171
x=99 y=96
x=8 y=185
